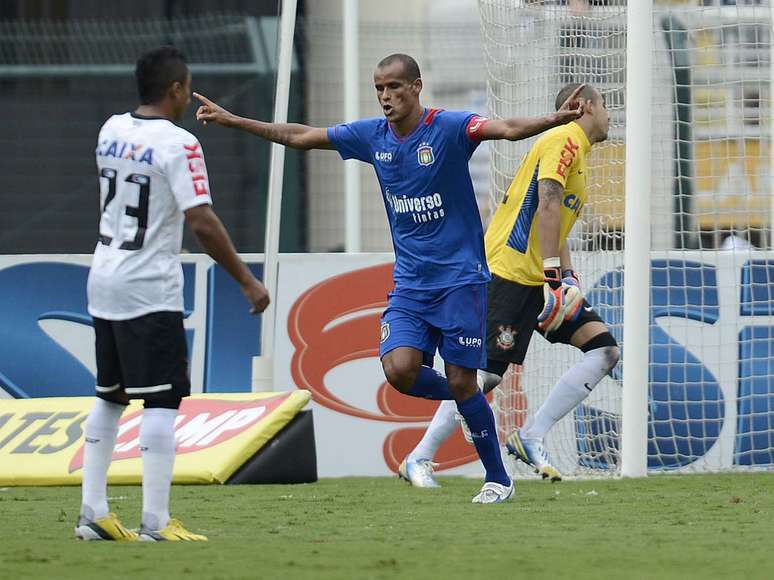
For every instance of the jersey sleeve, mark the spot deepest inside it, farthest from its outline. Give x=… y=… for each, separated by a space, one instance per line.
x=557 y=156
x=187 y=173
x=353 y=140
x=465 y=127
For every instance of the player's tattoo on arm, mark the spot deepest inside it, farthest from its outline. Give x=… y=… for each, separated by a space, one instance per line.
x=293 y=135
x=276 y=133
x=550 y=191
x=549 y=209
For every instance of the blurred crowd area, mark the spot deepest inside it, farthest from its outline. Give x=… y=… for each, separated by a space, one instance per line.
x=65 y=66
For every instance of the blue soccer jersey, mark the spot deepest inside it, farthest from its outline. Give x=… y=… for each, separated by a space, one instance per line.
x=428 y=194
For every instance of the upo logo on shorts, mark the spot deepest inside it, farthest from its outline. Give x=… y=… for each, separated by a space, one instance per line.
x=468 y=341
x=506 y=339
x=385 y=331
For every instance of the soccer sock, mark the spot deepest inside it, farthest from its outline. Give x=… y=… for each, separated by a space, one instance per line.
x=480 y=420
x=572 y=388
x=430 y=384
x=441 y=427
x=100 y=433
x=157 y=444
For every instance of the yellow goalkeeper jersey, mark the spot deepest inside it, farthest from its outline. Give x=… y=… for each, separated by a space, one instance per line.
x=512 y=244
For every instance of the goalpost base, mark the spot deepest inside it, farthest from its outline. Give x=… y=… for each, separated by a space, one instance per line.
x=263 y=374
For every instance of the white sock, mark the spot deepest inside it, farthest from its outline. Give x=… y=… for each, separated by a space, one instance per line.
x=157 y=445
x=574 y=386
x=100 y=433
x=441 y=427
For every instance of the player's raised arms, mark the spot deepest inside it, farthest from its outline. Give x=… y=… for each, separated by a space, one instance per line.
x=518 y=128
x=293 y=135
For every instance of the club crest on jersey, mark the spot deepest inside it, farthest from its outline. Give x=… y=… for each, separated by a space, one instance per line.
x=507 y=338
x=385 y=331
x=425 y=155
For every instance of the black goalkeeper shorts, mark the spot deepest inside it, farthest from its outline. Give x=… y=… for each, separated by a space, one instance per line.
x=143 y=358
x=512 y=316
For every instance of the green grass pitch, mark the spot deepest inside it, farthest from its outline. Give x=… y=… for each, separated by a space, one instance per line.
x=709 y=526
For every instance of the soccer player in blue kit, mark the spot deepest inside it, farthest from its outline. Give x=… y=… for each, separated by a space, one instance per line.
x=421 y=156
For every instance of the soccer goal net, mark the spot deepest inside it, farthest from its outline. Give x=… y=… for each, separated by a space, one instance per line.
x=711 y=343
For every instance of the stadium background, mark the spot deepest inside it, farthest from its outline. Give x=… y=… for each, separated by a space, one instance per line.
x=52 y=118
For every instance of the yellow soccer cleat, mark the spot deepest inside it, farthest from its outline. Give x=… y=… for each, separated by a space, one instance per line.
x=174 y=532
x=532 y=452
x=108 y=528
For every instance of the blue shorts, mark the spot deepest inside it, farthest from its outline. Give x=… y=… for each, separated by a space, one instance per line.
x=451 y=320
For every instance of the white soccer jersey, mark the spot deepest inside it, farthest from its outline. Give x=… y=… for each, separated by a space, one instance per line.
x=150 y=172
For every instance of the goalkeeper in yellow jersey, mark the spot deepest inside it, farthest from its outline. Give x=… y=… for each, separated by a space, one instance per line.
x=534 y=286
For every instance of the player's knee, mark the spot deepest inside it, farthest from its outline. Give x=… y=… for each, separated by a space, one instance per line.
x=462 y=389
x=605 y=346
x=400 y=376
x=612 y=356
x=488 y=381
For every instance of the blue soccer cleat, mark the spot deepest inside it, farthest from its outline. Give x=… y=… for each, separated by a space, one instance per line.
x=532 y=452
x=418 y=473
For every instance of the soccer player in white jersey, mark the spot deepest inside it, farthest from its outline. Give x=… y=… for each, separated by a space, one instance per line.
x=152 y=179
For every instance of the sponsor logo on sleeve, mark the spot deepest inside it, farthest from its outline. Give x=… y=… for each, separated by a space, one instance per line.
x=197 y=168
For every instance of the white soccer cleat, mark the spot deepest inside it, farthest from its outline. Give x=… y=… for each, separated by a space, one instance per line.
x=493 y=492
x=418 y=473
x=465 y=429
x=533 y=453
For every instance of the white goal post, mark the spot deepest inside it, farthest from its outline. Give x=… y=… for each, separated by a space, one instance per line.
x=634 y=406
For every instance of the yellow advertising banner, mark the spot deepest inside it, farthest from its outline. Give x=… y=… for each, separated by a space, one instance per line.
x=41 y=440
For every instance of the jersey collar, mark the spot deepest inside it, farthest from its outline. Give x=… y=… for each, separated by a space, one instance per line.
x=147 y=117
x=413 y=131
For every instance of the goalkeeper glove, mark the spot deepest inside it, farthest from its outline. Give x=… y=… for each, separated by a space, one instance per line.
x=573 y=297
x=552 y=315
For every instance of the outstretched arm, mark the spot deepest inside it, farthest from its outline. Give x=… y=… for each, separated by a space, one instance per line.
x=522 y=127
x=292 y=135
